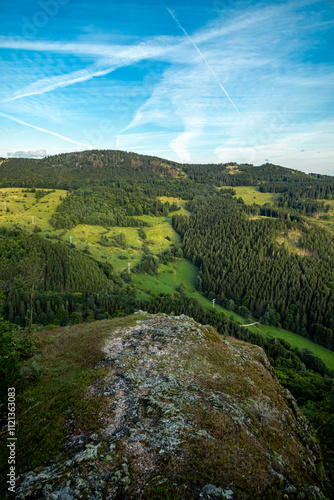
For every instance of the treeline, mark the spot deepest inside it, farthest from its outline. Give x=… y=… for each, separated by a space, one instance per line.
x=242 y=264
x=38 y=193
x=71 y=171
x=159 y=177
x=66 y=308
x=234 y=174
x=54 y=266
x=40 y=280
x=106 y=206
x=316 y=188
x=146 y=177
x=305 y=206
x=304 y=195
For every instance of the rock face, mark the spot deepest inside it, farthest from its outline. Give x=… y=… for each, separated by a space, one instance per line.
x=185 y=414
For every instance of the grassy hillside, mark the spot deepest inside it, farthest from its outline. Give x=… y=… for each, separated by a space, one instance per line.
x=23 y=209
x=64 y=369
x=87 y=237
x=28 y=213
x=252 y=194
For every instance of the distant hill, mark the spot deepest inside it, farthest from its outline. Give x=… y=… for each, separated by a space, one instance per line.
x=74 y=169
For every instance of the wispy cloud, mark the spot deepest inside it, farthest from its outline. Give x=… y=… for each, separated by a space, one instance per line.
x=111 y=57
x=49 y=84
x=125 y=57
x=244 y=55
x=202 y=93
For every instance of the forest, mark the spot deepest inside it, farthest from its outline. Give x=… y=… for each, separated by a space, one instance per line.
x=242 y=264
x=108 y=207
x=272 y=263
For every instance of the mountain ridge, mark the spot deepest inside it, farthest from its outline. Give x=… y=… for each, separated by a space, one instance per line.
x=180 y=413
x=109 y=160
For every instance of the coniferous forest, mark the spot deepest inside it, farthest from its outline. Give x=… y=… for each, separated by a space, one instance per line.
x=243 y=254
x=241 y=264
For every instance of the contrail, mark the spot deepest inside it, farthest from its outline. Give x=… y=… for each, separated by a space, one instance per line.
x=123 y=58
x=49 y=84
x=204 y=59
x=43 y=130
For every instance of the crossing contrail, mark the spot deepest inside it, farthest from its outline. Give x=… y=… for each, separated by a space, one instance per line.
x=44 y=130
x=204 y=59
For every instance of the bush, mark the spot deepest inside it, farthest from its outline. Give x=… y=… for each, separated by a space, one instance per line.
x=75 y=318
x=13 y=351
x=243 y=311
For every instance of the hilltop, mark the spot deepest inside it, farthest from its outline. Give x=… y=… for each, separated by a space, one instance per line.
x=161 y=407
x=73 y=170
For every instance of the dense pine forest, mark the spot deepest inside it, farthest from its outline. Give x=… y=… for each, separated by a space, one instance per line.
x=242 y=264
x=271 y=263
x=108 y=207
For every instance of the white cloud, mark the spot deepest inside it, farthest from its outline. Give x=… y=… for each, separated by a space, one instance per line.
x=301 y=150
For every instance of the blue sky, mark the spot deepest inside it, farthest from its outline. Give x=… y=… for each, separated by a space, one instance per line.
x=192 y=81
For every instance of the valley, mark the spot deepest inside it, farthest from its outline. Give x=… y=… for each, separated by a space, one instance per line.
x=29 y=214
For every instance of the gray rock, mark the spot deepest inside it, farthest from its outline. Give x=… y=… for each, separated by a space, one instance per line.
x=228 y=494
x=158 y=398
x=63 y=494
x=210 y=492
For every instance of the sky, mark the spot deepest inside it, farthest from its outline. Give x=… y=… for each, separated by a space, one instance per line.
x=200 y=81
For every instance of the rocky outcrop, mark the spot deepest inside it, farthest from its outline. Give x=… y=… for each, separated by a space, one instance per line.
x=184 y=414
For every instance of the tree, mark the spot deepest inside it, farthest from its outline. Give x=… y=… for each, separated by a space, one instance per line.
x=231 y=305
x=243 y=311
x=26 y=274
x=198 y=283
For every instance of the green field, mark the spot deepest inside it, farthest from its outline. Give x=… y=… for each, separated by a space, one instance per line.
x=179 y=202
x=25 y=211
x=169 y=279
x=86 y=236
x=326 y=355
x=252 y=194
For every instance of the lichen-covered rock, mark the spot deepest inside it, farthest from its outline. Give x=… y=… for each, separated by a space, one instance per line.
x=184 y=414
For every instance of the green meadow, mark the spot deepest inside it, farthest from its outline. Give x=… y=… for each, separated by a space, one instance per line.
x=22 y=209
x=252 y=194
x=87 y=237
x=179 y=202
